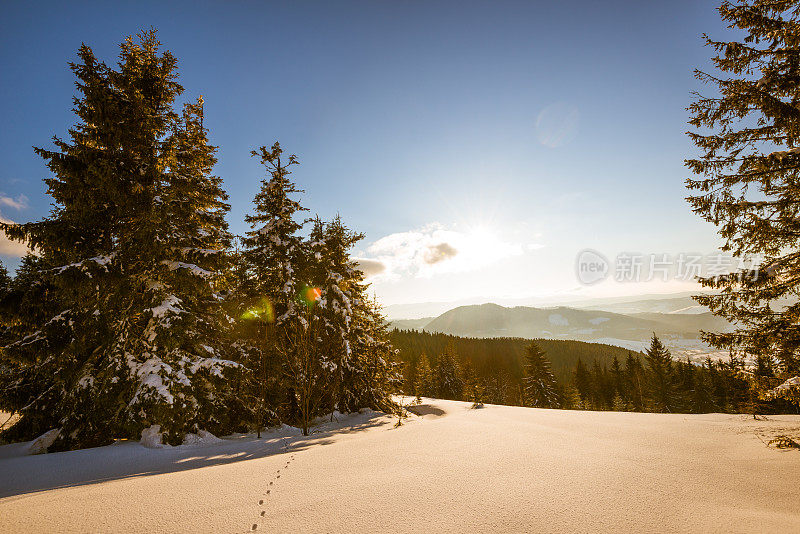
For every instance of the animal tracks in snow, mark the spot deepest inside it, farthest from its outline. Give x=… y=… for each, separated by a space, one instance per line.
x=263 y=502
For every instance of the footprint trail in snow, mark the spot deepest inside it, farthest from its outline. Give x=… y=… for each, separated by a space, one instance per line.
x=262 y=502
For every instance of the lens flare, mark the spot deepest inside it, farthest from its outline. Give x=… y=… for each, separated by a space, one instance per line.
x=310 y=295
x=263 y=311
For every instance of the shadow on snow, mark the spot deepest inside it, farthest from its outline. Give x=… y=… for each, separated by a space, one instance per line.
x=20 y=475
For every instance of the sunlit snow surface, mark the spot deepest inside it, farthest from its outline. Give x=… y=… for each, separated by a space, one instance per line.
x=448 y=469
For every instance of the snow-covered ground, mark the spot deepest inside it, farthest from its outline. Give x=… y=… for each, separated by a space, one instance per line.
x=681 y=348
x=451 y=469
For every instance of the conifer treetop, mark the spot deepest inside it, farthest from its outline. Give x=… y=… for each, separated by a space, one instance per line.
x=747 y=176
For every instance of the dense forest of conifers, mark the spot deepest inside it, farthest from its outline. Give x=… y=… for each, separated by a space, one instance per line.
x=503 y=355
x=138 y=309
x=579 y=375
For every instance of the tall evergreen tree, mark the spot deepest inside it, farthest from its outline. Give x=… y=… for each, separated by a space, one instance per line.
x=583 y=383
x=736 y=384
x=685 y=375
x=618 y=379
x=269 y=286
x=410 y=382
x=634 y=379
x=372 y=374
x=424 y=377
x=340 y=284
x=572 y=399
x=447 y=375
x=129 y=341
x=473 y=389
x=602 y=387
x=292 y=283
x=272 y=248
x=700 y=398
x=498 y=387
x=661 y=393
x=540 y=389
x=749 y=137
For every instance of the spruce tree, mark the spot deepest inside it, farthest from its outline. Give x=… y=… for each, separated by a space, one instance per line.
x=447 y=374
x=737 y=382
x=701 y=399
x=130 y=302
x=747 y=184
x=618 y=379
x=602 y=388
x=424 y=377
x=311 y=322
x=372 y=375
x=685 y=374
x=583 y=383
x=572 y=399
x=618 y=404
x=540 y=389
x=634 y=378
x=341 y=292
x=661 y=393
x=268 y=288
x=473 y=389
x=494 y=388
x=273 y=247
x=410 y=378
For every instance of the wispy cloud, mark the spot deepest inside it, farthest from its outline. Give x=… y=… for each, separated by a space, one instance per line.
x=19 y=203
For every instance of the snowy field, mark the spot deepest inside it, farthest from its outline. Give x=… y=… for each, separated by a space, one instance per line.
x=450 y=469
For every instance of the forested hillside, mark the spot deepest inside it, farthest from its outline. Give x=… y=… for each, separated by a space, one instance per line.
x=504 y=355
x=579 y=375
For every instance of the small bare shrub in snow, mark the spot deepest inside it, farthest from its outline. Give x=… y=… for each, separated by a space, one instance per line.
x=784 y=442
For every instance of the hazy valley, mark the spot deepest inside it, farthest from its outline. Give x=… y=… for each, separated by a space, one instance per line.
x=678 y=321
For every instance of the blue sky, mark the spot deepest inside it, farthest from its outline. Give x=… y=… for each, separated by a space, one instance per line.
x=514 y=133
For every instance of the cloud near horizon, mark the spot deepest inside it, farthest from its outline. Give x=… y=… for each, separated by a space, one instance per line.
x=7 y=246
x=432 y=250
x=370 y=267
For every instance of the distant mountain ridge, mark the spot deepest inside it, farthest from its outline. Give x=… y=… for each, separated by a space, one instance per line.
x=676 y=305
x=664 y=303
x=492 y=320
x=680 y=331
x=411 y=324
